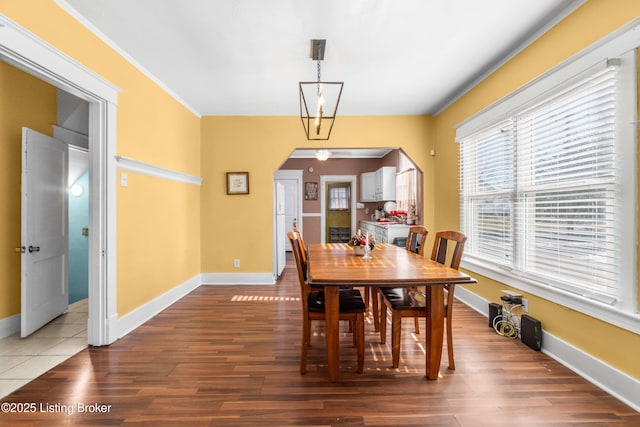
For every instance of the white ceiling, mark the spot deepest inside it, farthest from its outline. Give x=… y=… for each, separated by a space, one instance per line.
x=246 y=57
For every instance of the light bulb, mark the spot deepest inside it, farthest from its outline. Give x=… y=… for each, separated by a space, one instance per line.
x=319 y=114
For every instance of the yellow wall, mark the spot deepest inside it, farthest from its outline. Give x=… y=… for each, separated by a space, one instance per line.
x=24 y=101
x=241 y=226
x=158 y=236
x=594 y=20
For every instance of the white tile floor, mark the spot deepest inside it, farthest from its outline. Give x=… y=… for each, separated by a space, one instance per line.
x=24 y=359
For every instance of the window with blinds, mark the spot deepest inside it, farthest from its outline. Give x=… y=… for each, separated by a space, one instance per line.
x=487 y=177
x=542 y=189
x=566 y=188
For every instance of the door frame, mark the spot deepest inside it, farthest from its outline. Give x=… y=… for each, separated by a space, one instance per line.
x=324 y=179
x=289 y=174
x=31 y=54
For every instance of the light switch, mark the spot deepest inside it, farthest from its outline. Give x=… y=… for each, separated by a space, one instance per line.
x=124 y=179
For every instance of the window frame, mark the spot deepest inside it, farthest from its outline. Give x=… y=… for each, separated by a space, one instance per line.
x=620 y=44
x=336 y=187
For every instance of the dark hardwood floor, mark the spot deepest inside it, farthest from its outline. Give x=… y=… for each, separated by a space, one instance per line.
x=229 y=356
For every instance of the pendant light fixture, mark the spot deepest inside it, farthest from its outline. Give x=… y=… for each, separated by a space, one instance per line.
x=319 y=100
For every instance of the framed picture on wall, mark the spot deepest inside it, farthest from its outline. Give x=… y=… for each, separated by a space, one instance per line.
x=311 y=191
x=237 y=182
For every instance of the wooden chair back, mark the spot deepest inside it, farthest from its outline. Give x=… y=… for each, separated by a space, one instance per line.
x=303 y=247
x=294 y=239
x=441 y=246
x=416 y=239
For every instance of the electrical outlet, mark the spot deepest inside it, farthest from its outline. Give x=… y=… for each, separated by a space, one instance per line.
x=525 y=305
x=236 y=263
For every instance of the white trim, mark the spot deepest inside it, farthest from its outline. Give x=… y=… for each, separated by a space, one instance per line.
x=238 y=279
x=353 y=179
x=106 y=304
x=515 y=50
x=145 y=312
x=32 y=54
x=613 y=381
x=311 y=214
x=157 y=171
x=617 y=43
x=9 y=326
x=29 y=53
x=602 y=311
x=71 y=137
x=82 y=20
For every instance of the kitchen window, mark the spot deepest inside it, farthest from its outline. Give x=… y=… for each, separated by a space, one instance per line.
x=548 y=194
x=339 y=197
x=406 y=185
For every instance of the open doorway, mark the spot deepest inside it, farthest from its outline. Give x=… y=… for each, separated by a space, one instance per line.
x=348 y=162
x=287 y=213
x=28 y=53
x=338 y=207
x=338 y=212
x=73 y=129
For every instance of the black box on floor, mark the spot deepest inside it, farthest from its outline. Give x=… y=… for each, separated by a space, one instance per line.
x=494 y=311
x=531 y=332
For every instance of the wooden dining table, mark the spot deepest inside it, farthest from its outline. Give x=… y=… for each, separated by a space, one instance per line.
x=335 y=265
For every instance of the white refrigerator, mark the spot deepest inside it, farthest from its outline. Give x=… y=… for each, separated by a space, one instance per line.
x=281 y=232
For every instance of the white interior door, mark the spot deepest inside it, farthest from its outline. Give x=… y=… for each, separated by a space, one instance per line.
x=44 y=230
x=291 y=202
x=291 y=181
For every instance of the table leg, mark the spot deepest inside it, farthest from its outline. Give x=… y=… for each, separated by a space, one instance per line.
x=435 y=330
x=376 y=309
x=332 y=326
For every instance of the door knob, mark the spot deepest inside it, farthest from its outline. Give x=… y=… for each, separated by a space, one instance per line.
x=34 y=249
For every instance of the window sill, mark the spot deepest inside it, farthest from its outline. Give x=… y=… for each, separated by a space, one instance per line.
x=606 y=313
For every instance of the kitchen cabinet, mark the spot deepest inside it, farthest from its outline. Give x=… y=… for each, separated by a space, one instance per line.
x=378 y=186
x=386 y=183
x=368 y=187
x=384 y=232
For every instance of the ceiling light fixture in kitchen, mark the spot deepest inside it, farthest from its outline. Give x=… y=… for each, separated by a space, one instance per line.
x=323 y=155
x=319 y=100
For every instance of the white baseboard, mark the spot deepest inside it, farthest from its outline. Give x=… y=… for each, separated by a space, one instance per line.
x=238 y=279
x=137 y=317
x=9 y=325
x=613 y=381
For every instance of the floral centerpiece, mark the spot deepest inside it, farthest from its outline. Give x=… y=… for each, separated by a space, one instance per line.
x=359 y=241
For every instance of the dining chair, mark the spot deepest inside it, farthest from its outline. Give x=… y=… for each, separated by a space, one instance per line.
x=404 y=302
x=416 y=239
x=416 y=242
x=351 y=308
x=303 y=246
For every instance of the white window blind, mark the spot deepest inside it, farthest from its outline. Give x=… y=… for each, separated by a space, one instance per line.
x=549 y=184
x=487 y=172
x=566 y=188
x=540 y=189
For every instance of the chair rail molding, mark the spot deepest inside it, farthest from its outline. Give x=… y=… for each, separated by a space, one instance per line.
x=132 y=165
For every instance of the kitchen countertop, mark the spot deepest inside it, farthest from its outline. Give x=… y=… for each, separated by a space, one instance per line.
x=385 y=223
